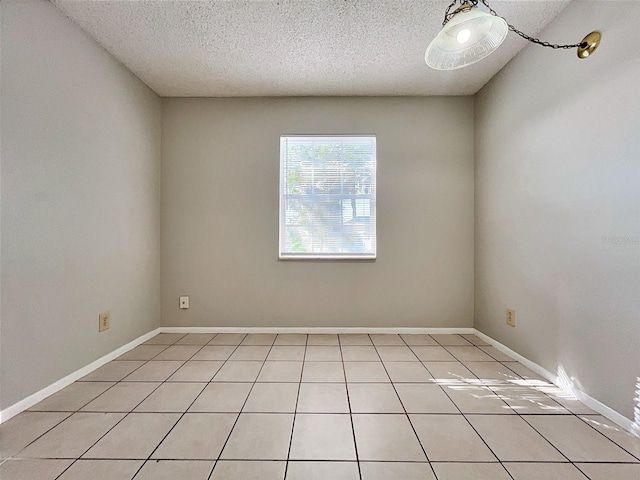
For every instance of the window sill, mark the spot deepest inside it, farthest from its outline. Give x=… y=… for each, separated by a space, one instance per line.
x=351 y=258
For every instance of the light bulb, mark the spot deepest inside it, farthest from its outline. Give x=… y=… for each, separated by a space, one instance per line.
x=464 y=35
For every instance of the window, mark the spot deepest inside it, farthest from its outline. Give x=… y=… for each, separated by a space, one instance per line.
x=328 y=197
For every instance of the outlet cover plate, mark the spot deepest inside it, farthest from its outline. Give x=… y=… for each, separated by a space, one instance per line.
x=184 y=302
x=104 y=321
x=511 y=317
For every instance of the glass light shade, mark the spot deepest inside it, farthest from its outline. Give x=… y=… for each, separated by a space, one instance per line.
x=467 y=38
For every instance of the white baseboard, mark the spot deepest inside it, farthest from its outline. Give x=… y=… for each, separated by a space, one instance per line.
x=566 y=385
x=516 y=356
x=31 y=400
x=590 y=402
x=312 y=330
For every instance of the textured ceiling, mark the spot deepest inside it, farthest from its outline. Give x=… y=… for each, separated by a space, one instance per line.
x=207 y=48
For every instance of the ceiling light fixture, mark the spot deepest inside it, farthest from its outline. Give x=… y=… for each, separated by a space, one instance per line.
x=469 y=34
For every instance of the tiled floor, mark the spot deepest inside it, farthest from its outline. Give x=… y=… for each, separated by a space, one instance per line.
x=261 y=406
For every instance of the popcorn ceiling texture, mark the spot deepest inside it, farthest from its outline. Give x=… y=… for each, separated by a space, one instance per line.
x=205 y=48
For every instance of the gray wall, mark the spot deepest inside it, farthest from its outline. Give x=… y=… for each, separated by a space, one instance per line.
x=80 y=200
x=558 y=204
x=220 y=174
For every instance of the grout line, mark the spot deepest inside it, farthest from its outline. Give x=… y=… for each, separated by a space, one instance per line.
x=353 y=429
x=580 y=470
x=325 y=460
x=295 y=410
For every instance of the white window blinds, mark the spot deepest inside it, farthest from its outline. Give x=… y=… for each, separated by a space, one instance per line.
x=327 y=197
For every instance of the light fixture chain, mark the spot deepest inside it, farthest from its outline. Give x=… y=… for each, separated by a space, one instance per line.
x=524 y=35
x=447 y=15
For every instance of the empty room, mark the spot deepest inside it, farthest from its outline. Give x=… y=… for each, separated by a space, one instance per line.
x=319 y=239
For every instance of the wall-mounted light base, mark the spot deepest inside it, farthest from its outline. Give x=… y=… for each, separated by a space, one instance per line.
x=589 y=44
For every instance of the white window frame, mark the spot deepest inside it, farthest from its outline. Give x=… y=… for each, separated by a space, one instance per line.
x=282 y=255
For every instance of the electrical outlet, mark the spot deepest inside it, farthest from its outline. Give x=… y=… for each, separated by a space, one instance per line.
x=184 y=302
x=104 y=321
x=511 y=317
